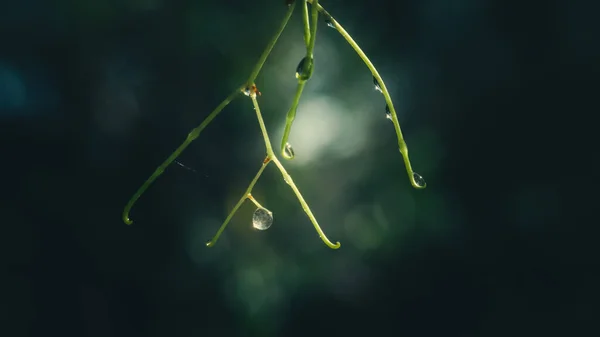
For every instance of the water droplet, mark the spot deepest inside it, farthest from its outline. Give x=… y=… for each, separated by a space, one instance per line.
x=262 y=219
x=388 y=114
x=419 y=180
x=289 y=2
x=329 y=23
x=304 y=69
x=377 y=86
x=288 y=151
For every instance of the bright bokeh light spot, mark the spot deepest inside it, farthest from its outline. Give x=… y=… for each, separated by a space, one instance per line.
x=325 y=128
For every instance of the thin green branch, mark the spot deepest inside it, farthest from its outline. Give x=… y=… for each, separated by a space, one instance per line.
x=267 y=51
x=190 y=138
x=401 y=142
x=288 y=179
x=305 y=23
x=196 y=131
x=303 y=73
x=246 y=195
x=313 y=28
x=289 y=119
x=254 y=201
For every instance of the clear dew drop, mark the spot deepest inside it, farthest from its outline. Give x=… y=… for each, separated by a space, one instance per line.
x=419 y=180
x=288 y=151
x=377 y=85
x=262 y=219
x=388 y=114
x=329 y=23
x=303 y=70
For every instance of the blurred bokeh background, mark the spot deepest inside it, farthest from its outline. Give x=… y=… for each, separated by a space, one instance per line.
x=94 y=94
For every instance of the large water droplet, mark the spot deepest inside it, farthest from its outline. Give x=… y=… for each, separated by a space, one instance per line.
x=388 y=114
x=288 y=151
x=419 y=180
x=304 y=69
x=377 y=85
x=262 y=219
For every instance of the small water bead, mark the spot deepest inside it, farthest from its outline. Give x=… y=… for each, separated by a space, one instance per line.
x=288 y=151
x=329 y=23
x=262 y=219
x=289 y=2
x=377 y=85
x=419 y=180
x=388 y=114
x=304 y=69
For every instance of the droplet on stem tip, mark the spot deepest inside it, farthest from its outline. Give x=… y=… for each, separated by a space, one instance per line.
x=288 y=151
x=262 y=219
x=419 y=180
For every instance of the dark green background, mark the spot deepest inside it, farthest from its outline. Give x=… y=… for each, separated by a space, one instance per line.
x=95 y=94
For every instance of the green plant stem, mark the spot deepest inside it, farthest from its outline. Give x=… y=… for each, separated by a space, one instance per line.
x=309 y=65
x=254 y=201
x=401 y=142
x=289 y=119
x=306 y=23
x=245 y=196
x=288 y=179
x=313 y=27
x=267 y=51
x=190 y=138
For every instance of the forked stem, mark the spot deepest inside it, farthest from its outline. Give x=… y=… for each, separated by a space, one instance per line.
x=245 y=196
x=190 y=138
x=401 y=142
x=288 y=178
x=250 y=89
